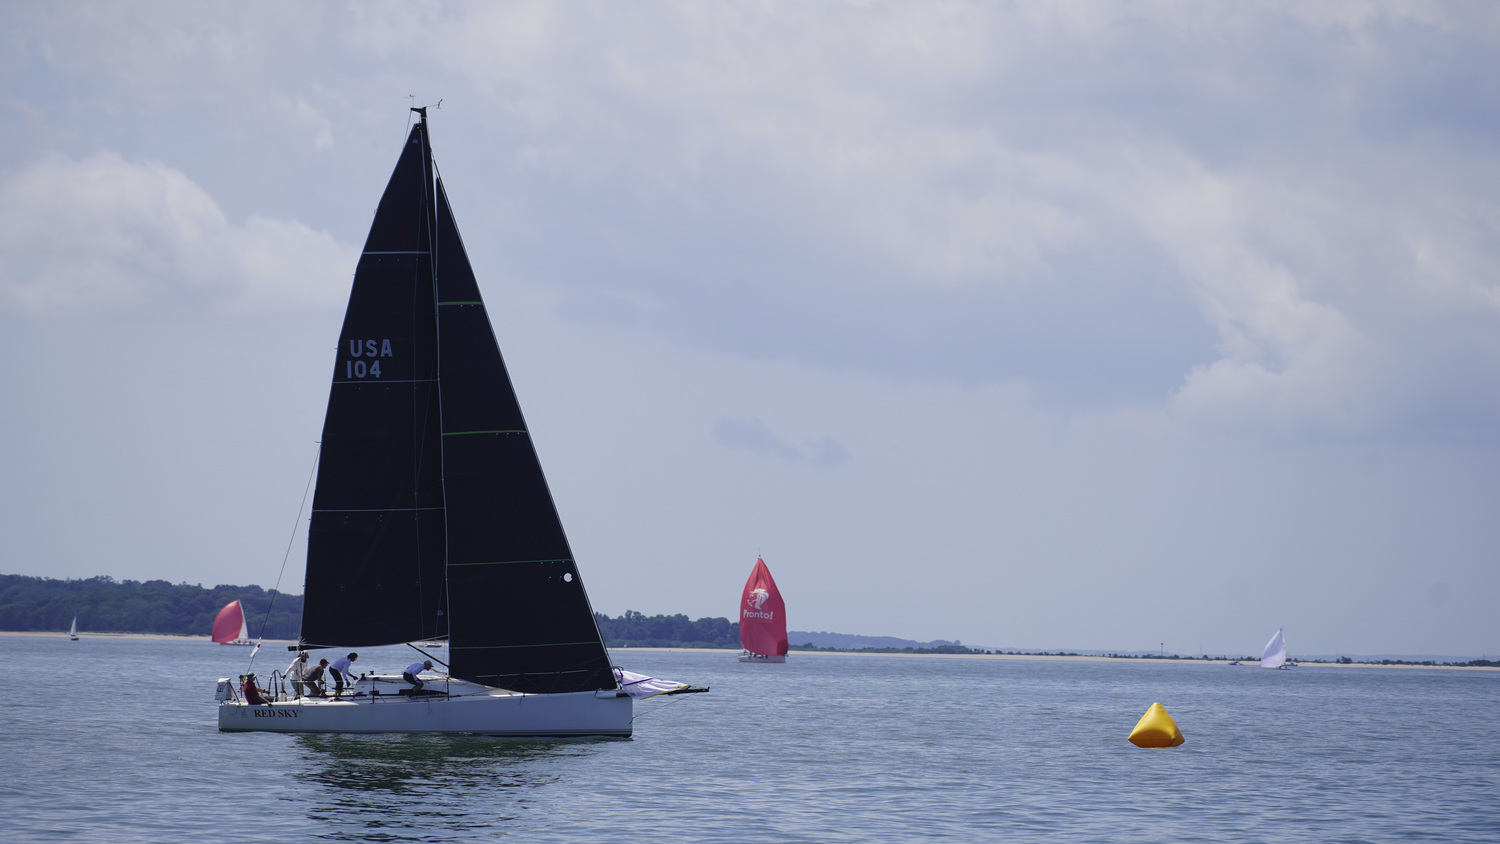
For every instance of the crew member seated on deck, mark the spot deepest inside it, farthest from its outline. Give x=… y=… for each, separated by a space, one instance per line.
x=254 y=695
x=411 y=672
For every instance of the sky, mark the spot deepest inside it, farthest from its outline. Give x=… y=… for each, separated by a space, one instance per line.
x=1126 y=326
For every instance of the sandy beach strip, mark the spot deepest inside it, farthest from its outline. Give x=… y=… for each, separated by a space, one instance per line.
x=150 y=637
x=1251 y=663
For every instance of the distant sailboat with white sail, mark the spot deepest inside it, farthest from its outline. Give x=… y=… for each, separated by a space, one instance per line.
x=1274 y=656
x=73 y=631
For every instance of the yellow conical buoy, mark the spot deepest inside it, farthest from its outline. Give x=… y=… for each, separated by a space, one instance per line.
x=1156 y=729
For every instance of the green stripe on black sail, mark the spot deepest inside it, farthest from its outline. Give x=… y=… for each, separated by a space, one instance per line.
x=375 y=542
x=527 y=625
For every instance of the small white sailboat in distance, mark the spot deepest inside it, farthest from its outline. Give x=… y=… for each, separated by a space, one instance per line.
x=73 y=631
x=1274 y=655
x=229 y=626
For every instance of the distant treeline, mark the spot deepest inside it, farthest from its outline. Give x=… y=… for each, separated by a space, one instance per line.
x=1255 y=660
x=106 y=605
x=937 y=649
x=636 y=630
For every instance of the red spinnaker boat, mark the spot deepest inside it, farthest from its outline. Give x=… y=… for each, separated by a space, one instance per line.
x=762 y=618
x=229 y=625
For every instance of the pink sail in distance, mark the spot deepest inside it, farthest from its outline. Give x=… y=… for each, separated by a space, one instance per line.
x=762 y=618
x=229 y=625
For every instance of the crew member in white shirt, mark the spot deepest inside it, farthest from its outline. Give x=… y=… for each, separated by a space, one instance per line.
x=411 y=672
x=341 y=674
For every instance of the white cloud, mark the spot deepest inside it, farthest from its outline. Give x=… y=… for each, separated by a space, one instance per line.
x=321 y=127
x=1337 y=311
x=102 y=234
x=1260 y=214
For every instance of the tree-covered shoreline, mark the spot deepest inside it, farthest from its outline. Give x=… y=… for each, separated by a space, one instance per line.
x=637 y=630
x=106 y=605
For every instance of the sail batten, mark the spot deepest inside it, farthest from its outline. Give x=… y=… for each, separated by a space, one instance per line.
x=540 y=645
x=383 y=510
x=505 y=562
x=386 y=381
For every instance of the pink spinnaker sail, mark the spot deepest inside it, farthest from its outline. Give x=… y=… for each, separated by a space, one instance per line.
x=762 y=614
x=229 y=625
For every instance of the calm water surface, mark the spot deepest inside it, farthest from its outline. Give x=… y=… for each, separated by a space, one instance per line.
x=113 y=740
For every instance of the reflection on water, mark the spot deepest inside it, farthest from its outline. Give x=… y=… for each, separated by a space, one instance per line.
x=423 y=788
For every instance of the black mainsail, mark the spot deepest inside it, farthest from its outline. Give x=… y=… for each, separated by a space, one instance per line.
x=432 y=517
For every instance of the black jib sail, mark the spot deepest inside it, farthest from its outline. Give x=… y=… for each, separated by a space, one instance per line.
x=432 y=516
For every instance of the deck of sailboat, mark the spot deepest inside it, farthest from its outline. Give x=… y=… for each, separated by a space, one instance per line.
x=377 y=705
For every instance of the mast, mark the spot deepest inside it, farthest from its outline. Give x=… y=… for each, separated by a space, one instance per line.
x=430 y=209
x=429 y=195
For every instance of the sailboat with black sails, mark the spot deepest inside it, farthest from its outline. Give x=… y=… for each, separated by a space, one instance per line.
x=432 y=519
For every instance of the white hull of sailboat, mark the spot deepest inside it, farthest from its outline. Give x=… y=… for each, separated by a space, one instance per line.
x=495 y=714
x=768 y=659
